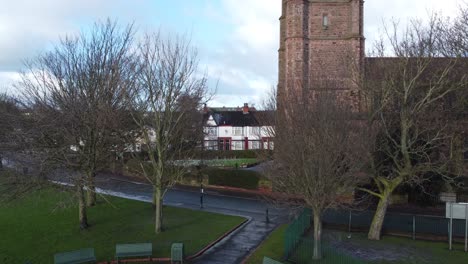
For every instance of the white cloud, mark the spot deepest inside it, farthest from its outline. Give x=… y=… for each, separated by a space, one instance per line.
x=378 y=13
x=29 y=26
x=7 y=79
x=250 y=54
x=245 y=61
x=256 y=22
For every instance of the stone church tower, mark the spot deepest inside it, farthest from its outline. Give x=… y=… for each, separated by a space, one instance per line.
x=322 y=44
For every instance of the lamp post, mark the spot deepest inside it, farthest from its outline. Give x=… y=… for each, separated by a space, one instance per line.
x=201 y=195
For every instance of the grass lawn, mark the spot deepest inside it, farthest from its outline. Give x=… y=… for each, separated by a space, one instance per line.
x=34 y=229
x=357 y=249
x=413 y=251
x=273 y=247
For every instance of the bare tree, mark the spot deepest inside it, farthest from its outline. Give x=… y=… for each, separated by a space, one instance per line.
x=407 y=102
x=21 y=175
x=452 y=34
x=167 y=111
x=452 y=41
x=10 y=116
x=318 y=152
x=76 y=97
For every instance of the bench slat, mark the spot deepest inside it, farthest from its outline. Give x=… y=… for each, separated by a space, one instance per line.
x=75 y=257
x=134 y=250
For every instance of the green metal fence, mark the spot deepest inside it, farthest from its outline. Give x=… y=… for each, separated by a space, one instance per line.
x=296 y=230
x=298 y=247
x=303 y=254
x=299 y=242
x=416 y=226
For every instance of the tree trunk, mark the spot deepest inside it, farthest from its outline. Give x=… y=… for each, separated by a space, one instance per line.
x=154 y=200
x=317 y=253
x=91 y=201
x=1 y=162
x=158 y=210
x=83 y=218
x=377 y=222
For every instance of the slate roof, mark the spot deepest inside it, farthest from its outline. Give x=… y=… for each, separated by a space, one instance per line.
x=236 y=117
x=375 y=67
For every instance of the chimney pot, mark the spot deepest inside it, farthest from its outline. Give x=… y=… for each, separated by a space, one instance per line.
x=245 y=109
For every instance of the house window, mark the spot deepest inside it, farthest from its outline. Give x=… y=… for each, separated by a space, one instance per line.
x=224 y=144
x=212 y=131
x=254 y=144
x=237 y=131
x=325 y=21
x=267 y=143
x=211 y=145
x=238 y=145
x=255 y=131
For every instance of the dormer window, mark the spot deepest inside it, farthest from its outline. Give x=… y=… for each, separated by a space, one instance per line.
x=325 y=21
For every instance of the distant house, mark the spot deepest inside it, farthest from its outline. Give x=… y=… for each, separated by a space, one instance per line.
x=237 y=128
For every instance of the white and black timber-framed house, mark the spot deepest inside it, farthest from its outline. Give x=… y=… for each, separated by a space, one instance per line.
x=237 y=128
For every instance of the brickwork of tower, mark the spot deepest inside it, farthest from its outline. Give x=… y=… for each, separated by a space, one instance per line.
x=321 y=47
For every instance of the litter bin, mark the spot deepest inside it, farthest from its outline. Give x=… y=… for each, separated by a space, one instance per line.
x=177 y=253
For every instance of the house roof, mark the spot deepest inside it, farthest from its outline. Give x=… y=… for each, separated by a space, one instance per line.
x=423 y=72
x=376 y=67
x=235 y=116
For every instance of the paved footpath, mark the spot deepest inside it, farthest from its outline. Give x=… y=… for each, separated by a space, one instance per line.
x=234 y=248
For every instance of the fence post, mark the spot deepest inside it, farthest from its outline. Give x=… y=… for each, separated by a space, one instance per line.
x=450 y=226
x=466 y=227
x=414 y=227
x=349 y=225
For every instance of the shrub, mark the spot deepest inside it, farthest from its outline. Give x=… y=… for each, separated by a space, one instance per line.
x=233 y=154
x=233 y=178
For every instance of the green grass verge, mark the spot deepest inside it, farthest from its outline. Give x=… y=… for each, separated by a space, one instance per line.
x=330 y=255
x=33 y=229
x=272 y=247
x=423 y=251
x=407 y=250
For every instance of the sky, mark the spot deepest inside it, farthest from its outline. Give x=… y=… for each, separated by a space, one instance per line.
x=237 y=40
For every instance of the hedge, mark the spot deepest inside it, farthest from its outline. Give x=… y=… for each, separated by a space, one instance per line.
x=233 y=154
x=233 y=178
x=238 y=178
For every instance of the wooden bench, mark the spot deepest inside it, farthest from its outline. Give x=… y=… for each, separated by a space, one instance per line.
x=133 y=250
x=75 y=257
x=267 y=260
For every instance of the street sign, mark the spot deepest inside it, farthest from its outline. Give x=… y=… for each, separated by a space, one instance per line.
x=458 y=210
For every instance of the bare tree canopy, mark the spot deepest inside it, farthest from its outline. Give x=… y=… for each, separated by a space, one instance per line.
x=10 y=125
x=76 y=96
x=167 y=103
x=452 y=34
x=408 y=98
x=318 y=153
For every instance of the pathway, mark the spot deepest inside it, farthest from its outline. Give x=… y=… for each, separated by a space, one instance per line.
x=233 y=248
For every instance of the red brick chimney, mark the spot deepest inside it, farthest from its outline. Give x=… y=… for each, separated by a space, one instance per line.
x=245 y=109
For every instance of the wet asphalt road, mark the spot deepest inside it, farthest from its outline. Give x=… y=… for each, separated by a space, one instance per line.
x=234 y=248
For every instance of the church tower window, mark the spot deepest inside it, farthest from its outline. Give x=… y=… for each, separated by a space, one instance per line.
x=325 y=21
